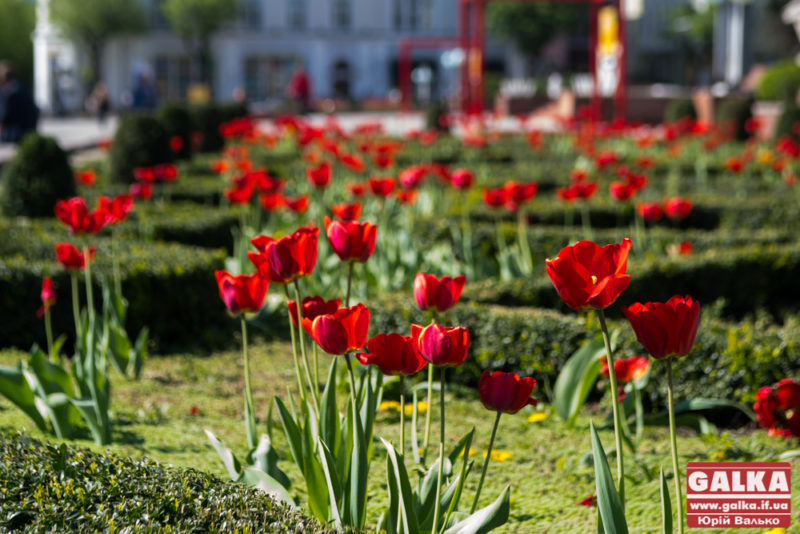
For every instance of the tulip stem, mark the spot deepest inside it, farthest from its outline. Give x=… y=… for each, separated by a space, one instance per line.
x=300 y=388
x=249 y=412
x=349 y=282
x=301 y=334
x=428 y=413
x=586 y=220
x=115 y=261
x=485 y=463
x=524 y=245
x=435 y=527
x=402 y=414
x=614 y=406
x=48 y=330
x=87 y=272
x=673 y=438
x=76 y=307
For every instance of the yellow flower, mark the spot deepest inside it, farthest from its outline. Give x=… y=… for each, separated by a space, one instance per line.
x=720 y=456
x=473 y=452
x=764 y=156
x=500 y=456
x=537 y=417
x=775 y=531
x=389 y=405
x=422 y=407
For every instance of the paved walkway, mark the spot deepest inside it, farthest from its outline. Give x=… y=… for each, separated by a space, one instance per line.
x=72 y=133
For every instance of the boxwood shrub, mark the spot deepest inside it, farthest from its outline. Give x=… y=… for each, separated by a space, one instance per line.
x=170 y=287
x=730 y=360
x=50 y=487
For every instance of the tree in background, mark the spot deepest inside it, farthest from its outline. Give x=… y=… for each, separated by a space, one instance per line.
x=93 y=22
x=196 y=21
x=17 y=20
x=531 y=26
x=692 y=30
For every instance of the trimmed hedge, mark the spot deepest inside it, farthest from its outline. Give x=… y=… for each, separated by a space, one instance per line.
x=678 y=109
x=36 y=178
x=170 y=287
x=47 y=487
x=140 y=141
x=177 y=122
x=747 y=278
x=729 y=360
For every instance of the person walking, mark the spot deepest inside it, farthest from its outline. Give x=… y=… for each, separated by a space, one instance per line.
x=18 y=112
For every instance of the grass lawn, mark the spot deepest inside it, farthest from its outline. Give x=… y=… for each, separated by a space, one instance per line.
x=548 y=468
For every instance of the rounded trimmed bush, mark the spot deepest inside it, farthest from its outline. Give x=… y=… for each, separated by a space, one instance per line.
x=207 y=120
x=786 y=122
x=38 y=175
x=679 y=108
x=780 y=82
x=177 y=121
x=733 y=114
x=140 y=141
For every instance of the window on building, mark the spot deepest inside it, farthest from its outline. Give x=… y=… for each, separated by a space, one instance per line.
x=266 y=77
x=341 y=79
x=413 y=14
x=427 y=14
x=342 y=15
x=250 y=14
x=397 y=15
x=173 y=75
x=297 y=13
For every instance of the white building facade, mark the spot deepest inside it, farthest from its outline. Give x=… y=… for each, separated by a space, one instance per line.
x=348 y=47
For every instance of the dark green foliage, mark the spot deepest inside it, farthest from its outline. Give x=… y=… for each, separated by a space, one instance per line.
x=170 y=288
x=787 y=121
x=678 y=109
x=207 y=120
x=434 y=117
x=780 y=82
x=177 y=121
x=59 y=488
x=232 y=110
x=37 y=177
x=733 y=114
x=531 y=26
x=729 y=360
x=140 y=141
x=185 y=223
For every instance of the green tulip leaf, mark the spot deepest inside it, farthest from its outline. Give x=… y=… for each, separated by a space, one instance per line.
x=576 y=379
x=485 y=519
x=608 y=502
x=666 y=507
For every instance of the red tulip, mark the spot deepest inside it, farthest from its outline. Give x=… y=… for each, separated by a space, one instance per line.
x=343 y=331
x=287 y=259
x=299 y=205
x=584 y=190
x=176 y=143
x=351 y=240
x=441 y=346
x=495 y=198
x=145 y=175
x=78 y=218
x=734 y=164
x=407 y=196
x=620 y=191
x=141 y=191
x=578 y=175
x=353 y=162
x=519 y=193
x=440 y=294
x=636 y=181
x=587 y=275
x=116 y=209
x=320 y=176
x=271 y=201
x=356 y=189
x=462 y=178
x=678 y=208
x=242 y=191
x=665 y=329
x=627 y=369
x=48 y=296
x=86 y=177
x=413 y=176
x=505 y=392
x=166 y=172
x=381 y=187
x=645 y=162
x=347 y=211
x=243 y=293
x=787 y=392
x=650 y=211
x=567 y=194
x=394 y=354
x=71 y=258
x=312 y=308
x=766 y=407
x=383 y=160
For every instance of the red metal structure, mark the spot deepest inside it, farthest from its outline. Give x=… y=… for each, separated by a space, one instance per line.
x=471 y=39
